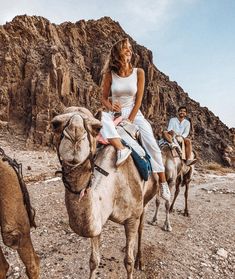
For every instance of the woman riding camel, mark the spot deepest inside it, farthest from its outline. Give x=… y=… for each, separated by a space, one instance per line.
x=125 y=84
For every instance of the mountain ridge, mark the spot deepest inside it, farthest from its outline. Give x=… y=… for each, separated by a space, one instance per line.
x=45 y=67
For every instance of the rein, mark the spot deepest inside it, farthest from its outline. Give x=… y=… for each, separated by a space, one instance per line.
x=90 y=158
x=18 y=170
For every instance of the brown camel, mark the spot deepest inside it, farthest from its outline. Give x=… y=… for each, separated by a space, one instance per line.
x=91 y=197
x=177 y=173
x=16 y=216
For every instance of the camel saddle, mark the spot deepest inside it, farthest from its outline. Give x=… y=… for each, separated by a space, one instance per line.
x=175 y=148
x=130 y=137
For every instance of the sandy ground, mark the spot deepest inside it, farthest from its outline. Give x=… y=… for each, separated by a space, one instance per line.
x=200 y=246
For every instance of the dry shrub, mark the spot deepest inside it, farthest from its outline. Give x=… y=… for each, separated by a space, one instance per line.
x=218 y=168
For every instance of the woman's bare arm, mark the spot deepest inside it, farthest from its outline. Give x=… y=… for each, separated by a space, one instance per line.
x=106 y=87
x=139 y=94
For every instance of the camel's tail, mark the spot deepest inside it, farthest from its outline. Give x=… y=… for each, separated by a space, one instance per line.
x=18 y=170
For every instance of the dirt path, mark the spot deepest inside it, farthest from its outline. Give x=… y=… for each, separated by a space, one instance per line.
x=201 y=246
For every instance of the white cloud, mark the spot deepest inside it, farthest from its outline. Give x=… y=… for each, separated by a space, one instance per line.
x=145 y=13
x=140 y=19
x=151 y=11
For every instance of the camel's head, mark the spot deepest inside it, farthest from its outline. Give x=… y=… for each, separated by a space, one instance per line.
x=75 y=135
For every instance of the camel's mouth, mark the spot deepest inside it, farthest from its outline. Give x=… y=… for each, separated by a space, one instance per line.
x=72 y=163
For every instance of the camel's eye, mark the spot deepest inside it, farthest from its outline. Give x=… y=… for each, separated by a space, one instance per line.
x=56 y=124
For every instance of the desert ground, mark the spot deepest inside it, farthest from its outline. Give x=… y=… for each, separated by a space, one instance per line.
x=200 y=246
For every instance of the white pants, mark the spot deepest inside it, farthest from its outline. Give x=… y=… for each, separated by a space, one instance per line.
x=109 y=131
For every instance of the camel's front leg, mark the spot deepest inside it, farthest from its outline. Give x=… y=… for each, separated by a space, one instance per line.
x=138 y=260
x=95 y=256
x=177 y=190
x=29 y=257
x=131 y=228
x=167 y=225
x=186 y=212
x=3 y=265
x=154 y=220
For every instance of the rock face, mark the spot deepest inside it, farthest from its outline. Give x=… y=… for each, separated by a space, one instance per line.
x=45 y=67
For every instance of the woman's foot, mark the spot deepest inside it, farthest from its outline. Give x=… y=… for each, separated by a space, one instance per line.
x=165 y=191
x=122 y=155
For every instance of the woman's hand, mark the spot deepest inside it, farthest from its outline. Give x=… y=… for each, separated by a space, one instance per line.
x=172 y=133
x=116 y=107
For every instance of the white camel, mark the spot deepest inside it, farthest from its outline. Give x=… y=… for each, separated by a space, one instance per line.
x=91 y=197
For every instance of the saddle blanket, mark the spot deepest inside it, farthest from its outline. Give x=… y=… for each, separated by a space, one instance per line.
x=129 y=133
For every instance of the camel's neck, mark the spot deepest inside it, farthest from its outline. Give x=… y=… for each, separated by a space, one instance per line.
x=166 y=152
x=78 y=197
x=78 y=178
x=88 y=214
x=10 y=187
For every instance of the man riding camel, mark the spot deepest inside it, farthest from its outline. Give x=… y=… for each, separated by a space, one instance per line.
x=178 y=131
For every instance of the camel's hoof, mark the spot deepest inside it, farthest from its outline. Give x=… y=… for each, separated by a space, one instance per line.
x=152 y=223
x=171 y=210
x=186 y=214
x=167 y=228
x=139 y=265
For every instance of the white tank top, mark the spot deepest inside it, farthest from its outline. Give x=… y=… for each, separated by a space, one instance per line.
x=124 y=89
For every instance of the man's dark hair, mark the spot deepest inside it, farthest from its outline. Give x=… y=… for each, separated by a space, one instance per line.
x=183 y=107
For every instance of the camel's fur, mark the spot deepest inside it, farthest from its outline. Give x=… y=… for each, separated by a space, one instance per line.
x=14 y=222
x=177 y=173
x=183 y=179
x=120 y=197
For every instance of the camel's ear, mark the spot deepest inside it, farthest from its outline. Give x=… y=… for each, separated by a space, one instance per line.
x=94 y=126
x=59 y=121
x=57 y=124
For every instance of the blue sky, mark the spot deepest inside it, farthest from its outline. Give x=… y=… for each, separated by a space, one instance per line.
x=193 y=41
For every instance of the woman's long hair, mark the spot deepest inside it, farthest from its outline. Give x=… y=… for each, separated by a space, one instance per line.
x=113 y=62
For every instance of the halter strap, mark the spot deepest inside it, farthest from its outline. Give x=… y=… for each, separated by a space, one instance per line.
x=91 y=158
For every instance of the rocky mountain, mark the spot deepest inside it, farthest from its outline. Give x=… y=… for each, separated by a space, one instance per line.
x=45 y=67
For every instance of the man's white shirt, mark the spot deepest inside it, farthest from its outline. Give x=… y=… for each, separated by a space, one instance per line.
x=180 y=128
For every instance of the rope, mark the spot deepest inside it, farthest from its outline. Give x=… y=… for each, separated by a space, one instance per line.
x=18 y=170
